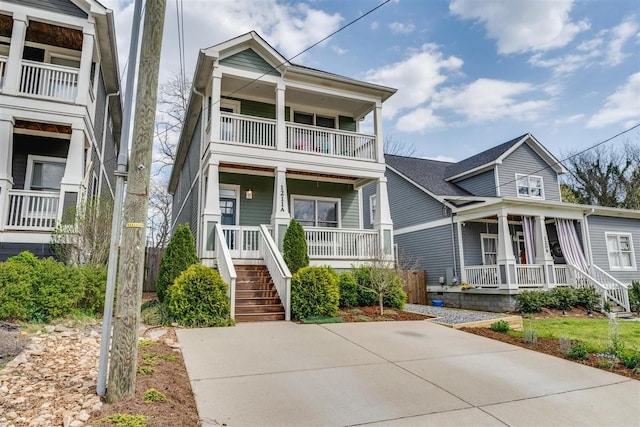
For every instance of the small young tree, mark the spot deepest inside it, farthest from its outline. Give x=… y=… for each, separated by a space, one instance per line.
x=381 y=280
x=294 y=247
x=179 y=255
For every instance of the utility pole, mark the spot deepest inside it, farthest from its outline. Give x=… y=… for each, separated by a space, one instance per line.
x=116 y=223
x=124 y=351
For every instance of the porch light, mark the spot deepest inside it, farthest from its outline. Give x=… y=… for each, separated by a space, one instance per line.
x=248 y=194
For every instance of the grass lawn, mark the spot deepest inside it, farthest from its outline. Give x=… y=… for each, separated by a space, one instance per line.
x=593 y=332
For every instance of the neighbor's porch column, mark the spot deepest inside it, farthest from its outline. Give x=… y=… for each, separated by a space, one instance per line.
x=14 y=61
x=506 y=259
x=281 y=128
x=280 y=215
x=6 y=173
x=543 y=252
x=216 y=90
x=211 y=214
x=377 y=125
x=71 y=183
x=84 y=73
x=382 y=219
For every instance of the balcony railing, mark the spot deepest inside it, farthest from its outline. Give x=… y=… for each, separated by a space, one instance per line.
x=530 y=275
x=242 y=241
x=32 y=210
x=248 y=130
x=3 y=70
x=330 y=142
x=340 y=243
x=483 y=276
x=48 y=81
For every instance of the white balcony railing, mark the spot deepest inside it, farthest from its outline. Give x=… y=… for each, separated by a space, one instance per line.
x=482 y=276
x=530 y=275
x=3 y=70
x=49 y=81
x=330 y=142
x=242 y=241
x=340 y=243
x=247 y=130
x=32 y=210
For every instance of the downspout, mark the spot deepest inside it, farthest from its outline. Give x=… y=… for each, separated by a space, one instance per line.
x=453 y=250
x=199 y=225
x=104 y=140
x=586 y=236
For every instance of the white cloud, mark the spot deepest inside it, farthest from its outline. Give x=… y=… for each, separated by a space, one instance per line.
x=569 y=120
x=621 y=106
x=523 y=25
x=419 y=120
x=441 y=158
x=400 y=28
x=374 y=25
x=565 y=64
x=416 y=77
x=488 y=100
x=620 y=34
x=339 y=50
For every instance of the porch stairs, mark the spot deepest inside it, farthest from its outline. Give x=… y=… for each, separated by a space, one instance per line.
x=256 y=296
x=613 y=292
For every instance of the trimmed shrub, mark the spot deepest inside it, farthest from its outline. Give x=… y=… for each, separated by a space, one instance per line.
x=531 y=301
x=179 y=255
x=562 y=298
x=578 y=351
x=634 y=296
x=630 y=359
x=500 y=326
x=198 y=298
x=587 y=298
x=294 y=247
x=348 y=290
x=394 y=297
x=94 y=288
x=25 y=258
x=15 y=290
x=56 y=289
x=314 y=292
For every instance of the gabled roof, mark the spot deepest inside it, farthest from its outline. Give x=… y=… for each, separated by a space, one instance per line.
x=429 y=174
x=497 y=154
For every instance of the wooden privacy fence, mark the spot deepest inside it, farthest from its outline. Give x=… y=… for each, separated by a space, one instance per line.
x=415 y=285
x=152 y=257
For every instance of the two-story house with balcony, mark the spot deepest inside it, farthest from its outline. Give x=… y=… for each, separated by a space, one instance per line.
x=266 y=141
x=60 y=115
x=494 y=224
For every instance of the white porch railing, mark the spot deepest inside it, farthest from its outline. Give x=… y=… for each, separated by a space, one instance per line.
x=278 y=269
x=49 y=81
x=530 y=275
x=32 y=210
x=225 y=267
x=242 y=241
x=330 y=142
x=247 y=130
x=608 y=289
x=3 y=69
x=340 y=243
x=562 y=275
x=483 y=276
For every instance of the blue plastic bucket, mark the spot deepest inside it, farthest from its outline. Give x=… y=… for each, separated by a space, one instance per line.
x=437 y=303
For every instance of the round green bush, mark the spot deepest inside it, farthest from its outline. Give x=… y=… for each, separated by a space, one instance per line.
x=395 y=296
x=531 y=301
x=94 y=280
x=294 y=247
x=587 y=298
x=562 y=298
x=314 y=292
x=56 y=289
x=198 y=298
x=348 y=290
x=179 y=255
x=15 y=291
x=25 y=258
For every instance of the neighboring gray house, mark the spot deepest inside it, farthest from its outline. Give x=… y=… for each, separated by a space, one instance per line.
x=493 y=224
x=60 y=115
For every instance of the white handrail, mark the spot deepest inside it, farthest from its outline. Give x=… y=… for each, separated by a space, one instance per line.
x=618 y=295
x=247 y=130
x=619 y=291
x=483 y=276
x=342 y=243
x=331 y=142
x=32 y=210
x=278 y=269
x=49 y=81
x=530 y=275
x=225 y=266
x=562 y=276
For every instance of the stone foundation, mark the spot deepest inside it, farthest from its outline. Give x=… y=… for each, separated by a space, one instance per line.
x=481 y=300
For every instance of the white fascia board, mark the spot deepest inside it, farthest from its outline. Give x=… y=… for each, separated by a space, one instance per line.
x=422 y=226
x=31 y=109
x=330 y=91
x=46 y=16
x=440 y=199
x=250 y=40
x=249 y=75
x=385 y=91
x=25 y=237
x=551 y=160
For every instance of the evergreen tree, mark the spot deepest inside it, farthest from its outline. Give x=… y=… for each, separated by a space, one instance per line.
x=179 y=255
x=294 y=245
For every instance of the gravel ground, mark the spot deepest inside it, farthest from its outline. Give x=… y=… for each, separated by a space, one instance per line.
x=452 y=316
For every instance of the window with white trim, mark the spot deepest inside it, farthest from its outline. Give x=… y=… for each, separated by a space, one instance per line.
x=373 y=204
x=529 y=186
x=489 y=244
x=316 y=211
x=620 y=251
x=44 y=173
x=314 y=119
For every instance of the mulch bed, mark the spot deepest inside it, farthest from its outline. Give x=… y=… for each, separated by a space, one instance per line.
x=372 y=314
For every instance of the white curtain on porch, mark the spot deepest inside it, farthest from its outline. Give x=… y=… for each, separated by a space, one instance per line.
x=529 y=239
x=570 y=244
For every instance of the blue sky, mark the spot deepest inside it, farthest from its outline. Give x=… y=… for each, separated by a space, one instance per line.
x=470 y=74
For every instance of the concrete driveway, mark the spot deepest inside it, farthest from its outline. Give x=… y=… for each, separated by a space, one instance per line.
x=392 y=374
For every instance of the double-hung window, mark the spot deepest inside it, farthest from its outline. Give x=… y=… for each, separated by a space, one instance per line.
x=373 y=205
x=316 y=212
x=620 y=251
x=529 y=186
x=44 y=173
x=489 y=243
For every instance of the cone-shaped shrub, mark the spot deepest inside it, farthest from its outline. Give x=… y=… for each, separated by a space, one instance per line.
x=294 y=247
x=179 y=255
x=314 y=292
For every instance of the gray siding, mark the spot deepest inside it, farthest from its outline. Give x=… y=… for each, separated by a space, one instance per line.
x=410 y=205
x=23 y=145
x=483 y=184
x=526 y=161
x=471 y=240
x=430 y=250
x=249 y=60
x=345 y=192
x=41 y=250
x=110 y=163
x=98 y=124
x=65 y=7
x=188 y=173
x=598 y=226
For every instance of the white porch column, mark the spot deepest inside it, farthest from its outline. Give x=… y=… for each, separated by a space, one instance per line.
x=280 y=214
x=543 y=251
x=71 y=183
x=463 y=271
x=506 y=259
x=211 y=214
x=382 y=219
x=377 y=124
x=14 y=61
x=216 y=90
x=84 y=74
x=281 y=129
x=6 y=173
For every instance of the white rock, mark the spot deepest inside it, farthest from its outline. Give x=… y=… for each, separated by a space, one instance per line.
x=11 y=415
x=66 y=420
x=84 y=415
x=76 y=423
x=49 y=328
x=4 y=389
